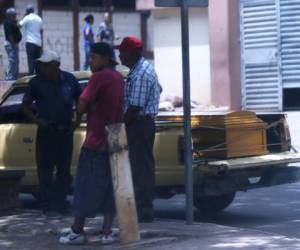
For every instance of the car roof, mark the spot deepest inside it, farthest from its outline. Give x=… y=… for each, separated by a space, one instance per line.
x=79 y=75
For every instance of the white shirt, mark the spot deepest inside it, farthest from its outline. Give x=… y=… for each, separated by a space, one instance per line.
x=32 y=26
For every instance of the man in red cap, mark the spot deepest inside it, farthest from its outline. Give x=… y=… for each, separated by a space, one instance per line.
x=142 y=93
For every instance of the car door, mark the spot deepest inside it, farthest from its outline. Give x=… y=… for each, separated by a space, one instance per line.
x=17 y=137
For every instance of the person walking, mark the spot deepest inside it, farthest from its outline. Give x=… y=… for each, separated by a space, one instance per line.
x=33 y=26
x=54 y=92
x=102 y=100
x=13 y=37
x=88 y=38
x=142 y=93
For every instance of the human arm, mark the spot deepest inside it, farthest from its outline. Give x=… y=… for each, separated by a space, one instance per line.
x=137 y=99
x=89 y=34
x=90 y=95
x=29 y=97
x=30 y=114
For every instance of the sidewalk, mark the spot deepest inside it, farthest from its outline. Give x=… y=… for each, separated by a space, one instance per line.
x=29 y=229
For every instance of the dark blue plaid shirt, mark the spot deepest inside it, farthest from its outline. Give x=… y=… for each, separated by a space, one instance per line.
x=142 y=88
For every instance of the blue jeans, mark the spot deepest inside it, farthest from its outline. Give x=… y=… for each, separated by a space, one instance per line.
x=87 y=49
x=13 y=61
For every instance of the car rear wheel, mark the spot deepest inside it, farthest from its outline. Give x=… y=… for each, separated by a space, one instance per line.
x=210 y=205
x=36 y=195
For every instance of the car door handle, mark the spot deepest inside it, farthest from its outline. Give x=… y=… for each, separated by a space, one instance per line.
x=27 y=140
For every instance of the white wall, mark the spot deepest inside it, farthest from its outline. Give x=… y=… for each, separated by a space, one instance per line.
x=58 y=36
x=167 y=52
x=125 y=24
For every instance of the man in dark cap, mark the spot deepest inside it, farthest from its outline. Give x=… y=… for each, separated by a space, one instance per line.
x=33 y=26
x=13 y=37
x=102 y=100
x=142 y=93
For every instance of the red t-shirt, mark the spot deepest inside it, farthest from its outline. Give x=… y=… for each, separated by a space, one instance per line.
x=104 y=94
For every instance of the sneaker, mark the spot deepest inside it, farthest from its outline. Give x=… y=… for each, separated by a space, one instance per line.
x=108 y=239
x=69 y=237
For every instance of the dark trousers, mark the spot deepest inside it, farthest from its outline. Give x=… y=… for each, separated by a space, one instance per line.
x=33 y=52
x=140 y=136
x=54 y=152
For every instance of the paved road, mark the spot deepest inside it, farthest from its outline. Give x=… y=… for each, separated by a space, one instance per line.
x=275 y=209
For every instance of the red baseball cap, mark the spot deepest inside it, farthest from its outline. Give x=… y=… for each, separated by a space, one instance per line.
x=130 y=44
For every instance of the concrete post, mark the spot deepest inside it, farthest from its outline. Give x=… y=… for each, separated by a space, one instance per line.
x=122 y=183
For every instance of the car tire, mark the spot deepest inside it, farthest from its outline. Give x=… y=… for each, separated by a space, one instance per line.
x=37 y=196
x=210 y=205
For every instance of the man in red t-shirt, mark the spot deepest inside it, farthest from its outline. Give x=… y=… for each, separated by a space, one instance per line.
x=102 y=100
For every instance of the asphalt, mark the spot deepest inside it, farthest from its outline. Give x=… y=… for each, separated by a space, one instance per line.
x=30 y=229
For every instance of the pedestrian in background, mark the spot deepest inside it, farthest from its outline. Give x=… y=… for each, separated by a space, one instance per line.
x=32 y=26
x=13 y=37
x=88 y=38
x=142 y=93
x=106 y=32
x=102 y=100
x=55 y=92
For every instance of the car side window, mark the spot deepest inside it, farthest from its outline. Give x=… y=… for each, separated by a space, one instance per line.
x=15 y=97
x=10 y=109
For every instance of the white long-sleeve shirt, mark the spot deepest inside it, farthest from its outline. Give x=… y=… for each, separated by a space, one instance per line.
x=32 y=26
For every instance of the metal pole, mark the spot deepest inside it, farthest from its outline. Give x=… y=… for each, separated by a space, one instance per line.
x=187 y=112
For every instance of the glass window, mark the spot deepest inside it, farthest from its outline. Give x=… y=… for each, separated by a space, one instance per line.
x=15 y=97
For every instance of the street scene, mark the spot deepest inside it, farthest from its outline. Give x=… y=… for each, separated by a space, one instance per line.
x=149 y=124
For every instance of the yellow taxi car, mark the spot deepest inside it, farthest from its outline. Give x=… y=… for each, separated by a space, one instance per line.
x=18 y=138
x=214 y=188
x=18 y=133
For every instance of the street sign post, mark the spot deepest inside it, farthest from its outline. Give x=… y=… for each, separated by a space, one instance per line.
x=178 y=3
x=187 y=113
x=184 y=5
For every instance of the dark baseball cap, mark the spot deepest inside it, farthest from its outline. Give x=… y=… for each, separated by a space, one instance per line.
x=103 y=49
